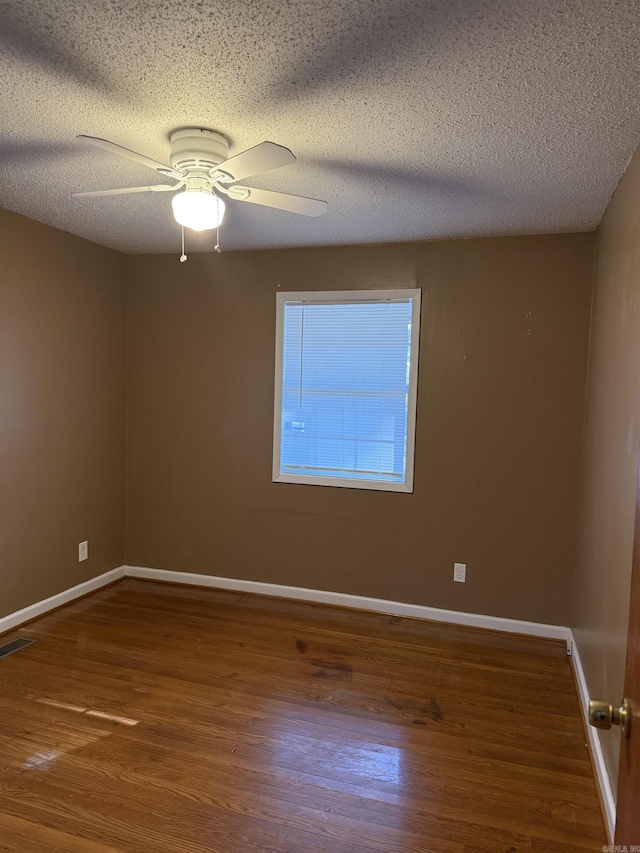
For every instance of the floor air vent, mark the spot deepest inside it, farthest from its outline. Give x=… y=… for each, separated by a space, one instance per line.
x=14 y=646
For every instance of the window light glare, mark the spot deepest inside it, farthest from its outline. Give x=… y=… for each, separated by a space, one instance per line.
x=198 y=209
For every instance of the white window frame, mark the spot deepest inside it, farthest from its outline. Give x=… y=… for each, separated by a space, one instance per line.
x=333 y=296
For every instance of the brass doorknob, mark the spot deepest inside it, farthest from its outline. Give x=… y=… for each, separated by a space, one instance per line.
x=602 y=715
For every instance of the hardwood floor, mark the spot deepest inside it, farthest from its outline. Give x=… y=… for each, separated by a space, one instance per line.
x=165 y=719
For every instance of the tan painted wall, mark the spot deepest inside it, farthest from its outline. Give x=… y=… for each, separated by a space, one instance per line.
x=500 y=413
x=612 y=438
x=62 y=410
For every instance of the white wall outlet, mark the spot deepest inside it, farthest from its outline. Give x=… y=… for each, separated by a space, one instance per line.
x=83 y=551
x=460 y=572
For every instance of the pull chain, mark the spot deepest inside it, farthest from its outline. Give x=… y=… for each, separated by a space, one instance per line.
x=183 y=257
x=217 y=248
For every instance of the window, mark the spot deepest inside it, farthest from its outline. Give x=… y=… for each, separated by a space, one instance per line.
x=345 y=392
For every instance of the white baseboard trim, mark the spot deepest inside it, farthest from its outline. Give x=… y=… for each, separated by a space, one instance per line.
x=14 y=620
x=339 y=599
x=359 y=602
x=602 y=774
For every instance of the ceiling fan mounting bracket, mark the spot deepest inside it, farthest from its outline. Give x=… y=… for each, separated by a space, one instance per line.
x=197 y=149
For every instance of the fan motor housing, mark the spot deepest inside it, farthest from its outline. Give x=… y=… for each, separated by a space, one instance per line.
x=198 y=148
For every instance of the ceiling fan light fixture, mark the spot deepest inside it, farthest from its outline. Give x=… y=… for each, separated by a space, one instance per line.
x=198 y=208
x=202 y=169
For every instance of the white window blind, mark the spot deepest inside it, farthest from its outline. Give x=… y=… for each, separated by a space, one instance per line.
x=347 y=370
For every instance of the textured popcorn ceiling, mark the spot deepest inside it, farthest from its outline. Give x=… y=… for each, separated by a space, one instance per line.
x=413 y=119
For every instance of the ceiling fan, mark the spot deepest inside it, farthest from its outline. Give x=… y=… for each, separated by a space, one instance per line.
x=200 y=164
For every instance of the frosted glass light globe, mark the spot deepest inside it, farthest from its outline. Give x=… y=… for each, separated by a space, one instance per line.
x=198 y=209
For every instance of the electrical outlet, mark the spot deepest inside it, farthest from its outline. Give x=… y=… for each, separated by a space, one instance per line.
x=83 y=551
x=460 y=572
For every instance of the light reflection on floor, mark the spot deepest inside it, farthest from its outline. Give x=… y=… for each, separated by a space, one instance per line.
x=40 y=761
x=58 y=740
x=90 y=712
x=369 y=761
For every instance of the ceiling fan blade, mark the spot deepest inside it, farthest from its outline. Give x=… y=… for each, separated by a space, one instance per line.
x=158 y=188
x=260 y=158
x=131 y=155
x=281 y=201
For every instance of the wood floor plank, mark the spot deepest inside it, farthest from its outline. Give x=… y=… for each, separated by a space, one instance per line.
x=150 y=716
x=14 y=831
